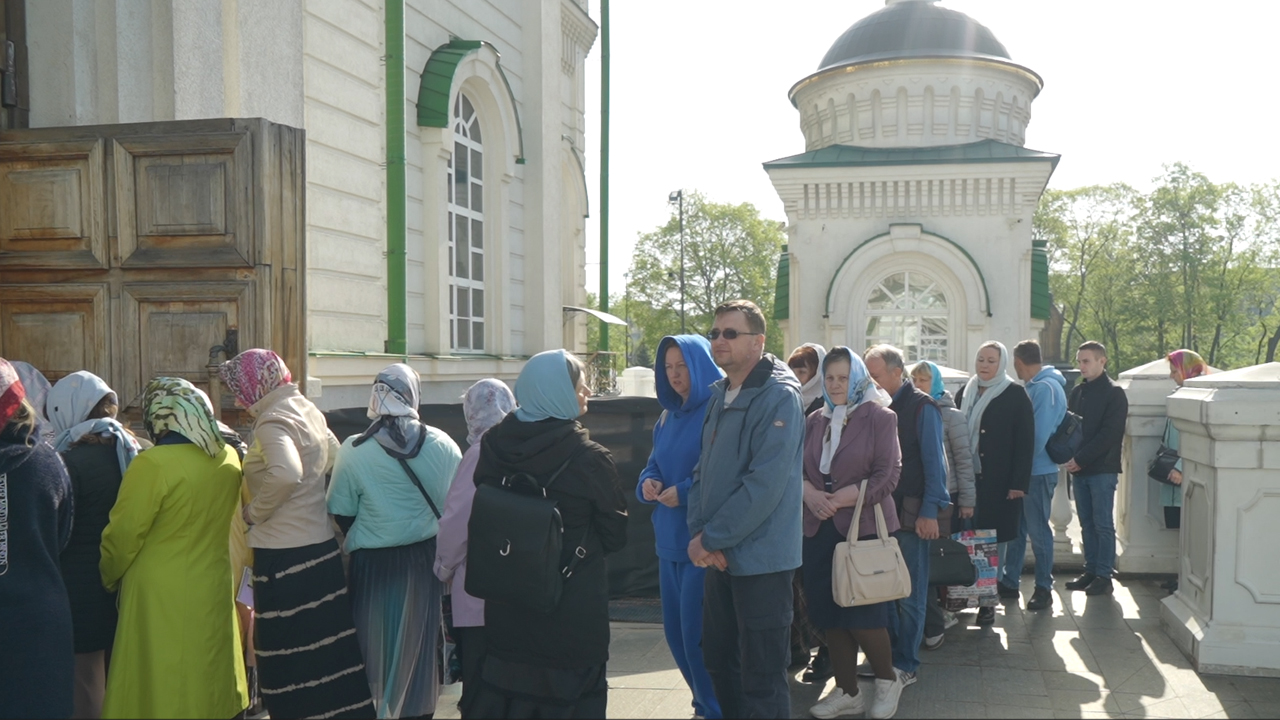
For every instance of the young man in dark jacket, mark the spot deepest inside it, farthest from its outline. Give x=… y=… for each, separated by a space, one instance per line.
x=1095 y=468
x=745 y=517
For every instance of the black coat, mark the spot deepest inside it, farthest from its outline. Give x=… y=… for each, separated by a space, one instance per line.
x=37 y=661
x=1104 y=408
x=576 y=634
x=1006 y=444
x=95 y=482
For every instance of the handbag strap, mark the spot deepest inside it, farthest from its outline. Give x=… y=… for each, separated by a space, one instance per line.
x=857 y=513
x=418 y=483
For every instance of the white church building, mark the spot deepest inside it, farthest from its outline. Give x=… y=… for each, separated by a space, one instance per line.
x=492 y=117
x=909 y=211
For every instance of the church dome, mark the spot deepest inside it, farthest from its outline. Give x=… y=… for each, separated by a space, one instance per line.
x=913 y=29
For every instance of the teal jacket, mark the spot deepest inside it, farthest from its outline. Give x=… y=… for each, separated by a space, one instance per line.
x=746 y=497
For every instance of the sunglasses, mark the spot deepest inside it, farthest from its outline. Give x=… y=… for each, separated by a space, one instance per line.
x=729 y=334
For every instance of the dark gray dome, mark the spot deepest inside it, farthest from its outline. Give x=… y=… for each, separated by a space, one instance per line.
x=913 y=28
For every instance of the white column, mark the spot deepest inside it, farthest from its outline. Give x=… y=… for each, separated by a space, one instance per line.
x=1225 y=614
x=1060 y=517
x=1143 y=544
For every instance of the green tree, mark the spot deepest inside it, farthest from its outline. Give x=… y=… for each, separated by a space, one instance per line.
x=730 y=252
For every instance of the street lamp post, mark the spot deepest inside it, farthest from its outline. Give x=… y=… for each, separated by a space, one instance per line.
x=678 y=197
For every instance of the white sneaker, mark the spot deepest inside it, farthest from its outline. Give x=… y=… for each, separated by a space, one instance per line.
x=949 y=620
x=906 y=678
x=836 y=704
x=886 y=703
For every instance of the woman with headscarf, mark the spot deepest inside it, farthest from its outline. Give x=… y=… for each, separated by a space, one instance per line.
x=1002 y=437
x=177 y=649
x=386 y=494
x=806 y=362
x=926 y=376
x=853 y=438
x=553 y=664
x=37 y=387
x=309 y=659
x=36 y=647
x=1183 y=365
x=684 y=372
x=485 y=404
x=97 y=450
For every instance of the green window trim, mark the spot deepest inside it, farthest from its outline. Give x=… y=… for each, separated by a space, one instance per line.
x=782 y=288
x=434 y=98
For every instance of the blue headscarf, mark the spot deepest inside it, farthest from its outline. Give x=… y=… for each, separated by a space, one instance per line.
x=861 y=386
x=544 y=390
x=936 y=388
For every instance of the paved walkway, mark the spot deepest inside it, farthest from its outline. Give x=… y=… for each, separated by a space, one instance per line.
x=1090 y=658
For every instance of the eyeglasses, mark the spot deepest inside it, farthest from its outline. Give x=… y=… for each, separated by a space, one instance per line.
x=729 y=334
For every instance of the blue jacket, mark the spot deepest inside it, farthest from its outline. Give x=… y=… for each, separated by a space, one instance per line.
x=746 y=497
x=1049 y=402
x=677 y=441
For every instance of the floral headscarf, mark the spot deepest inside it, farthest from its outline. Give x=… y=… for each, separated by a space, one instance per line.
x=11 y=392
x=254 y=373
x=69 y=405
x=1188 y=363
x=175 y=405
x=393 y=407
x=484 y=406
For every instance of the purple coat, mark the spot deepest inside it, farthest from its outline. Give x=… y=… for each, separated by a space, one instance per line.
x=868 y=451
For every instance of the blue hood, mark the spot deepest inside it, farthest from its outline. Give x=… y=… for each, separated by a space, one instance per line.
x=1049 y=372
x=703 y=372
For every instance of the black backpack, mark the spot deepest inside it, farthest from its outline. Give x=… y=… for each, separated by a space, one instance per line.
x=515 y=537
x=1065 y=441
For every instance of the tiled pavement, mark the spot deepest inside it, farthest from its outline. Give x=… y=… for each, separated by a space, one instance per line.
x=1092 y=657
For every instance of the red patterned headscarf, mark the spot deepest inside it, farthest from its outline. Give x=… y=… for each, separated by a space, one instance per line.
x=254 y=373
x=11 y=392
x=1188 y=363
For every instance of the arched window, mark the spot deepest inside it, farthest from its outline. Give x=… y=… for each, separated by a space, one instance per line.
x=909 y=310
x=466 y=230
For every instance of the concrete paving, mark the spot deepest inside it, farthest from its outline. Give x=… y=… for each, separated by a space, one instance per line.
x=1090 y=657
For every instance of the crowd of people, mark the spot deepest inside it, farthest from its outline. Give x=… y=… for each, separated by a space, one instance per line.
x=189 y=574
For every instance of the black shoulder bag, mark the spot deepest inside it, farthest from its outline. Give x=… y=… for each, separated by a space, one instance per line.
x=515 y=539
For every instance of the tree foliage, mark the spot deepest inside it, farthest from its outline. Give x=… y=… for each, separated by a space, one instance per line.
x=1191 y=264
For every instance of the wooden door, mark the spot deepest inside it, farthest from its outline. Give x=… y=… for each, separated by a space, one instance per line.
x=134 y=250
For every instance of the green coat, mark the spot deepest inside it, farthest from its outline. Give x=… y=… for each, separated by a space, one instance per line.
x=177 y=648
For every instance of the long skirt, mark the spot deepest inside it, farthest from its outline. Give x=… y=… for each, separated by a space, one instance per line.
x=824 y=613
x=309 y=662
x=395 y=598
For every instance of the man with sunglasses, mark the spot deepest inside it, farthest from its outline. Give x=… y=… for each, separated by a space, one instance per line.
x=744 y=516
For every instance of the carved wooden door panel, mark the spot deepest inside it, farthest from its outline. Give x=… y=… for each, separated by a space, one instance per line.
x=133 y=250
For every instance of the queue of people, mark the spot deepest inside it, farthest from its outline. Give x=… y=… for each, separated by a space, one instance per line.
x=189 y=575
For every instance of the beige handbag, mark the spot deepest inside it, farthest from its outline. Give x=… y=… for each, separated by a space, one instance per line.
x=868 y=571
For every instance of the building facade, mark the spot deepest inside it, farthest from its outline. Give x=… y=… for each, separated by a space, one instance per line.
x=909 y=212
x=494 y=124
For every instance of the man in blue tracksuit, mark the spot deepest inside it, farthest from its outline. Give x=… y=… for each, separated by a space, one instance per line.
x=745 y=517
x=1047 y=389
x=683 y=373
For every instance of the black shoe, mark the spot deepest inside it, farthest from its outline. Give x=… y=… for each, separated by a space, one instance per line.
x=1081 y=582
x=1100 y=586
x=986 y=615
x=799 y=659
x=1006 y=592
x=1041 y=599
x=820 y=669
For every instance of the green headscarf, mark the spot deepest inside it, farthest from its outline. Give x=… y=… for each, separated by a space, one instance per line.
x=175 y=405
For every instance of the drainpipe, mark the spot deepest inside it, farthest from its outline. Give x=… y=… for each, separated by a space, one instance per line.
x=396 y=257
x=604 y=171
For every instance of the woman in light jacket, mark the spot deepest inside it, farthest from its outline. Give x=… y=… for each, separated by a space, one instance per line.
x=1002 y=436
x=485 y=404
x=309 y=660
x=1183 y=365
x=854 y=438
x=388 y=485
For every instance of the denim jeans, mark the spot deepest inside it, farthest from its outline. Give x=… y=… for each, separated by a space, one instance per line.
x=1035 y=523
x=1095 y=508
x=746 y=642
x=906 y=626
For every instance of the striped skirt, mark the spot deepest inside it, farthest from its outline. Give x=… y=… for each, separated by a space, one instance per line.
x=395 y=598
x=309 y=662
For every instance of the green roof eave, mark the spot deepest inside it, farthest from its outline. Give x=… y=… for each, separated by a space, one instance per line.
x=983 y=151
x=434 y=89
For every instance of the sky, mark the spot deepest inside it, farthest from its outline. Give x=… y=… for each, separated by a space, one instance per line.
x=699 y=95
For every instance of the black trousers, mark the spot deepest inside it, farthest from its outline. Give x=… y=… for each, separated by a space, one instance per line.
x=471 y=651
x=746 y=638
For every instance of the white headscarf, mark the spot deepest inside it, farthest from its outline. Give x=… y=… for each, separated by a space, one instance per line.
x=812 y=390
x=484 y=406
x=862 y=389
x=975 y=404
x=68 y=406
x=393 y=407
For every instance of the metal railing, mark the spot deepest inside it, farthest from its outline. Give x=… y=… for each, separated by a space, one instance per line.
x=602 y=373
